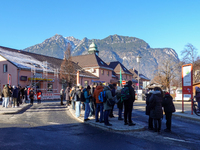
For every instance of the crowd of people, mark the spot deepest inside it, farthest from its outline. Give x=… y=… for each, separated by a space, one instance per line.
x=14 y=96
x=87 y=98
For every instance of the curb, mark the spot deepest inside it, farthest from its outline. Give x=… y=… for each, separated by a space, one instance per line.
x=16 y=112
x=186 y=117
x=110 y=128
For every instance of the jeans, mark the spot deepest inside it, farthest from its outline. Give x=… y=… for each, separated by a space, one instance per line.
x=91 y=109
x=6 y=101
x=78 y=108
x=106 y=114
x=14 y=101
x=3 y=102
x=73 y=104
x=99 y=107
x=157 y=124
x=87 y=110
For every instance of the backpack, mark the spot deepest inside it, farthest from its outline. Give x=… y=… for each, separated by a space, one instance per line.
x=82 y=97
x=125 y=94
x=102 y=96
x=74 y=96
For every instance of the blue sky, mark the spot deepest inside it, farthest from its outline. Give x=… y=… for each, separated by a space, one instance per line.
x=160 y=23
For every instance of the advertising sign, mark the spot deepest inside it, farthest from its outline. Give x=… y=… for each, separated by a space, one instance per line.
x=187 y=81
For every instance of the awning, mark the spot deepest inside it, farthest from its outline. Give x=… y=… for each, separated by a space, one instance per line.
x=40 y=79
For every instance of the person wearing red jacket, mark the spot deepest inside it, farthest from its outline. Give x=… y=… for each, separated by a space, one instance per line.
x=99 y=104
x=39 y=96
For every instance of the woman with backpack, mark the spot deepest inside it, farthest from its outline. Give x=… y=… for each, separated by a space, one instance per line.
x=168 y=109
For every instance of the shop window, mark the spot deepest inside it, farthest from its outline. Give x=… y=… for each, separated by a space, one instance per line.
x=5 y=68
x=50 y=87
x=108 y=73
x=86 y=83
x=102 y=72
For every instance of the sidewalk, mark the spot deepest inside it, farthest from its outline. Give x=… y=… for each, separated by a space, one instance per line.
x=10 y=110
x=187 y=113
x=117 y=125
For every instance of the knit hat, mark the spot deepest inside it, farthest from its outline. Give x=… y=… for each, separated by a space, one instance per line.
x=167 y=93
x=196 y=87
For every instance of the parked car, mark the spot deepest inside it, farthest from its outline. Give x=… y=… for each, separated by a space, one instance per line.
x=178 y=95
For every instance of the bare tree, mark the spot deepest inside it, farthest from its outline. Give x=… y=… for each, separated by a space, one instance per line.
x=67 y=70
x=166 y=73
x=190 y=56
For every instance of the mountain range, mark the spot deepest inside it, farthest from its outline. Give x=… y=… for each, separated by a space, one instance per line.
x=112 y=48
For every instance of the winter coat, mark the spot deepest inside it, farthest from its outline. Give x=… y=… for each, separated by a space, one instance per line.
x=148 y=106
x=6 y=92
x=120 y=103
x=86 y=95
x=78 y=93
x=15 y=93
x=198 y=95
x=96 y=93
x=108 y=97
x=168 y=104
x=131 y=92
x=72 y=94
x=67 y=93
x=31 y=94
x=156 y=105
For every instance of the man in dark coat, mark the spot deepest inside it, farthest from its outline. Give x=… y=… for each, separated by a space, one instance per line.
x=31 y=95
x=128 y=105
x=148 y=107
x=168 y=109
x=113 y=94
x=156 y=108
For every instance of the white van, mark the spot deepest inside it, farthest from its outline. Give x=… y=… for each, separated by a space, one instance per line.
x=179 y=94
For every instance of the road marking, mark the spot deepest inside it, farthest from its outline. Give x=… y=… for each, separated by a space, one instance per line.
x=168 y=138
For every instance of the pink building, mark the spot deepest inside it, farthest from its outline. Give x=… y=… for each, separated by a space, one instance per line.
x=34 y=70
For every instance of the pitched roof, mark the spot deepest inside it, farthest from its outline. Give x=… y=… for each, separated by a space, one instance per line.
x=116 y=65
x=90 y=60
x=135 y=74
x=27 y=60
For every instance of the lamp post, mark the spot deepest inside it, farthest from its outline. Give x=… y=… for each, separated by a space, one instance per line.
x=138 y=61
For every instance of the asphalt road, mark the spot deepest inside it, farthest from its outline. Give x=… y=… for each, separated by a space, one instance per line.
x=50 y=126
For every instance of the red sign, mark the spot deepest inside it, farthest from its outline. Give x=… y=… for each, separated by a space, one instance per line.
x=187 y=83
x=123 y=82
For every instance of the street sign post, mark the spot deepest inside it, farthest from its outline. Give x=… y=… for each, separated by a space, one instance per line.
x=123 y=82
x=187 y=83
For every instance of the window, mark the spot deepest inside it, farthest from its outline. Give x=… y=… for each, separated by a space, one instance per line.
x=5 y=68
x=102 y=72
x=50 y=87
x=86 y=83
x=94 y=70
x=108 y=73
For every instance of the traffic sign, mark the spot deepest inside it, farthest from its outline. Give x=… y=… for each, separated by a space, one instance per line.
x=123 y=82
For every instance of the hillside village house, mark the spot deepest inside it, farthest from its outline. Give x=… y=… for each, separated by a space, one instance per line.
x=30 y=69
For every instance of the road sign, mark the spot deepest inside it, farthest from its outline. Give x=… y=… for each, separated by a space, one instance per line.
x=123 y=82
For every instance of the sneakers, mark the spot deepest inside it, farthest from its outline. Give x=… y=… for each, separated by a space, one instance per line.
x=86 y=119
x=108 y=124
x=125 y=123
x=131 y=124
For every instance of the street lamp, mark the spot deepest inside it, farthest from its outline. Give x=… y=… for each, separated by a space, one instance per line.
x=138 y=61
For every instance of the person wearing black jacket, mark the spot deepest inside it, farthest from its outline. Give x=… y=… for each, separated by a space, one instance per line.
x=128 y=105
x=156 y=108
x=168 y=109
